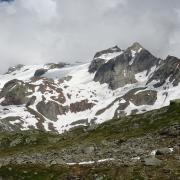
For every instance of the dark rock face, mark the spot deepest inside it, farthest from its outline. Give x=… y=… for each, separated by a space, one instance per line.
x=143 y=97
x=80 y=106
x=113 y=72
x=98 y=61
x=51 y=109
x=40 y=72
x=15 y=93
x=82 y=121
x=96 y=64
x=121 y=70
x=169 y=68
x=144 y=61
x=31 y=101
x=5 y=124
x=147 y=97
x=175 y=102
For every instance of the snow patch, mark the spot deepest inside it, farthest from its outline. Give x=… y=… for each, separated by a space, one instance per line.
x=109 y=56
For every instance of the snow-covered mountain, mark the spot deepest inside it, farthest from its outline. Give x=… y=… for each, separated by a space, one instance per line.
x=57 y=97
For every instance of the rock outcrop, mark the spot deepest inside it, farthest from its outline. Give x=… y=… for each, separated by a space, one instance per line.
x=40 y=72
x=100 y=58
x=121 y=70
x=15 y=92
x=14 y=68
x=169 y=70
x=51 y=109
x=81 y=106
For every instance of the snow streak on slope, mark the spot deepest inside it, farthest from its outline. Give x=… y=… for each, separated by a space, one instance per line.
x=109 y=56
x=93 y=102
x=25 y=73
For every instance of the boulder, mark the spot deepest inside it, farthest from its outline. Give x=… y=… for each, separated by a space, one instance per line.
x=89 y=150
x=152 y=161
x=163 y=151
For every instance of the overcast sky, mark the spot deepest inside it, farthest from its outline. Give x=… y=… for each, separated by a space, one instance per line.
x=39 y=31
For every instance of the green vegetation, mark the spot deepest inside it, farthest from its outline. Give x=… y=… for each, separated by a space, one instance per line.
x=94 y=172
x=117 y=129
x=121 y=129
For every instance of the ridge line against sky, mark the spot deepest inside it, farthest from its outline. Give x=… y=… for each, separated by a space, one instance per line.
x=40 y=31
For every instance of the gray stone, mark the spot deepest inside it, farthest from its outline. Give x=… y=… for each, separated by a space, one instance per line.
x=16 y=142
x=152 y=161
x=163 y=151
x=89 y=150
x=60 y=161
x=139 y=151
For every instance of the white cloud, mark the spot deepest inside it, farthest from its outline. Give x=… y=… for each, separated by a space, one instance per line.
x=38 y=31
x=45 y=10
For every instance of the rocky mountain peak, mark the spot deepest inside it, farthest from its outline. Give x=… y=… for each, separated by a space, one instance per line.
x=122 y=69
x=108 y=51
x=170 y=58
x=103 y=56
x=115 y=48
x=57 y=97
x=134 y=49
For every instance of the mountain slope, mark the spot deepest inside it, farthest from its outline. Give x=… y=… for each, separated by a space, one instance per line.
x=57 y=97
x=144 y=146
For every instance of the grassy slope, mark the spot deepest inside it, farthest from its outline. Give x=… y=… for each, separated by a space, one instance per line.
x=120 y=129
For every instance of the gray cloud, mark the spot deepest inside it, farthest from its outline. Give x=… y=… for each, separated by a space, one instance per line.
x=39 y=31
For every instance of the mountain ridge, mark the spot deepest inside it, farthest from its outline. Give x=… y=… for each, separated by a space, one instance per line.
x=57 y=97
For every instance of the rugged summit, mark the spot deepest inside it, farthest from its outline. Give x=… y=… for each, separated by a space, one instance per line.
x=57 y=97
x=169 y=70
x=121 y=70
x=102 y=56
